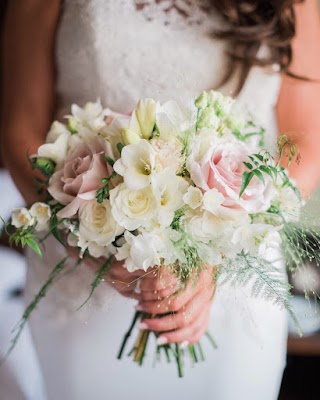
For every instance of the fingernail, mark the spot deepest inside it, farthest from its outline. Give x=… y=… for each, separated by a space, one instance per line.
x=138 y=307
x=162 y=340
x=184 y=345
x=142 y=326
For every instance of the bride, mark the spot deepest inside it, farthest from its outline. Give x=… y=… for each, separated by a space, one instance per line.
x=57 y=53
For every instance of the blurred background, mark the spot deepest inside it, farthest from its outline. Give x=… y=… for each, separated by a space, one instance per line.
x=20 y=377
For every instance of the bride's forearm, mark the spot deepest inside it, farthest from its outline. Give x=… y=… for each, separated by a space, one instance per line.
x=27 y=85
x=15 y=155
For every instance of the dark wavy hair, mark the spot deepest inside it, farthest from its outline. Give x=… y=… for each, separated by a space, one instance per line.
x=250 y=24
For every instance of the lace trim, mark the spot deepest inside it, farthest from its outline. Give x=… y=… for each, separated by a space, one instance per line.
x=175 y=12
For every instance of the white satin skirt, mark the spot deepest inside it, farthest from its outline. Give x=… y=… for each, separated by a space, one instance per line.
x=78 y=350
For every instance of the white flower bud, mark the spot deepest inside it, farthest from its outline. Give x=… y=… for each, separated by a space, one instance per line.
x=21 y=218
x=42 y=214
x=146 y=115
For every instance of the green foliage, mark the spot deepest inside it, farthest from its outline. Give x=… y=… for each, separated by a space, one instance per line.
x=259 y=165
x=250 y=130
x=266 y=280
x=120 y=146
x=286 y=148
x=54 y=223
x=109 y=161
x=300 y=243
x=98 y=278
x=25 y=237
x=45 y=165
x=103 y=192
x=31 y=307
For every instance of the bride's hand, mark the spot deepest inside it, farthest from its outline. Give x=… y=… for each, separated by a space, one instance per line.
x=190 y=307
x=117 y=276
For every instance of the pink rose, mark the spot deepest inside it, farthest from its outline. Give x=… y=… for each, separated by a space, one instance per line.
x=80 y=176
x=218 y=163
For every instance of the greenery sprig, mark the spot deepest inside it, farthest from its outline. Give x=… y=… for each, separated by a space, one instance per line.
x=103 y=192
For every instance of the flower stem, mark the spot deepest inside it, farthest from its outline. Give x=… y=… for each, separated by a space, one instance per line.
x=179 y=360
x=128 y=334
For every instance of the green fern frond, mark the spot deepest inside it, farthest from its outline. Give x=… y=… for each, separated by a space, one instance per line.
x=266 y=280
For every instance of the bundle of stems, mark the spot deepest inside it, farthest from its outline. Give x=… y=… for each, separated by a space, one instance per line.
x=172 y=351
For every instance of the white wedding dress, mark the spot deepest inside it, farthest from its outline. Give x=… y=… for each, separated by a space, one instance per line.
x=120 y=51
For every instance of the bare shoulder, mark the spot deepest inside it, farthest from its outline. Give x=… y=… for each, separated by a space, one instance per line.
x=306 y=44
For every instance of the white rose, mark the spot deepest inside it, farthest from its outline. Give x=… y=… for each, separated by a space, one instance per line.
x=21 y=218
x=97 y=224
x=169 y=190
x=136 y=164
x=133 y=208
x=42 y=213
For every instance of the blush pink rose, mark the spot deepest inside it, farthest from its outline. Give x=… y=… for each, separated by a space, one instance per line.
x=80 y=176
x=219 y=165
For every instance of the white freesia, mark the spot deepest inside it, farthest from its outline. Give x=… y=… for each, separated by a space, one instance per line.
x=250 y=237
x=145 y=115
x=21 y=218
x=97 y=251
x=270 y=247
x=56 y=151
x=42 y=213
x=168 y=153
x=133 y=208
x=56 y=129
x=288 y=204
x=136 y=165
x=140 y=252
x=169 y=190
x=193 y=197
x=97 y=227
x=212 y=201
x=92 y=115
x=172 y=120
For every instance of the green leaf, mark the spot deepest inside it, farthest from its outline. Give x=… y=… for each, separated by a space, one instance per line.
x=266 y=170
x=54 y=222
x=248 y=165
x=98 y=278
x=34 y=246
x=259 y=175
x=246 y=179
x=259 y=157
x=31 y=307
x=109 y=160
x=120 y=146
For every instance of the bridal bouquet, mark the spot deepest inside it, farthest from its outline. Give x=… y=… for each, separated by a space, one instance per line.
x=167 y=186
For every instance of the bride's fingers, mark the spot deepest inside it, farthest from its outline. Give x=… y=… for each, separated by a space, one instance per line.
x=160 y=294
x=186 y=316
x=126 y=290
x=160 y=281
x=182 y=319
x=189 y=334
x=173 y=303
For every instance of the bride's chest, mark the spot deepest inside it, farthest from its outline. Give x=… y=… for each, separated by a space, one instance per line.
x=122 y=50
